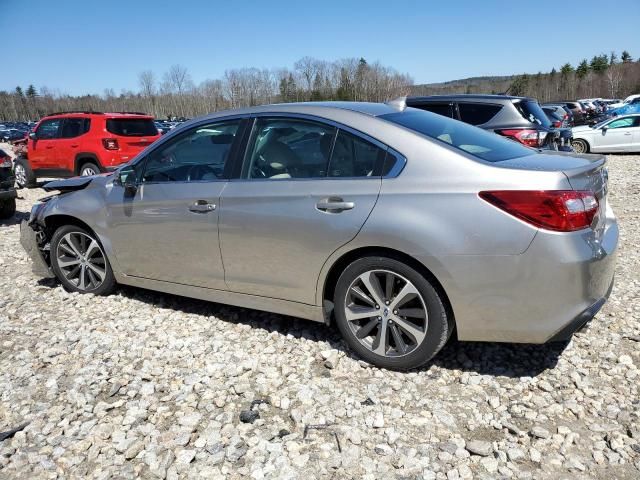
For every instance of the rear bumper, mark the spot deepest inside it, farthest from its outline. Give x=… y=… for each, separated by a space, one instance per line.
x=29 y=242
x=544 y=294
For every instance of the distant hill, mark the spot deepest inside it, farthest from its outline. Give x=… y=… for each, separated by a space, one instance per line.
x=489 y=84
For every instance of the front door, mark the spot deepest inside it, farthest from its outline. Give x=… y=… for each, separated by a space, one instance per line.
x=168 y=230
x=42 y=150
x=306 y=189
x=617 y=137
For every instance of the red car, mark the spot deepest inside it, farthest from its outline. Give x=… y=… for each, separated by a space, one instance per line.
x=83 y=143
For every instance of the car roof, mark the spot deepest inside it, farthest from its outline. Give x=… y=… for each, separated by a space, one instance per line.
x=321 y=109
x=482 y=98
x=97 y=115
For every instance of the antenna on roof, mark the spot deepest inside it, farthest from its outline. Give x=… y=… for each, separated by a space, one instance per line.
x=399 y=103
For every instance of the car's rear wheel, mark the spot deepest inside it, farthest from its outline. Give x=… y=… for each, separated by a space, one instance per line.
x=23 y=173
x=7 y=208
x=79 y=261
x=89 y=169
x=390 y=314
x=580 y=146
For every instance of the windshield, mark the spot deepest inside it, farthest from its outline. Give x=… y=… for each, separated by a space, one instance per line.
x=473 y=140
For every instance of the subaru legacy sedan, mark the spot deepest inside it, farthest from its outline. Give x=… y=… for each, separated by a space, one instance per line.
x=399 y=225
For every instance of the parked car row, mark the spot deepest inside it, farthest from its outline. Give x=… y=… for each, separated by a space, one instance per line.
x=11 y=131
x=518 y=118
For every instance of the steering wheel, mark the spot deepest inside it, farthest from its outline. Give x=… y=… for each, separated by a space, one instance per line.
x=196 y=172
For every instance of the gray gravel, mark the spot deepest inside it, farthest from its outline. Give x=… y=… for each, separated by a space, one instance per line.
x=141 y=384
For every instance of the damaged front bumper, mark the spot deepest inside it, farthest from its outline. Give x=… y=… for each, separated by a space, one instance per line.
x=29 y=241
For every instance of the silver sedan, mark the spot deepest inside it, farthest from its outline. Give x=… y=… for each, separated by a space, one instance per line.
x=618 y=134
x=399 y=225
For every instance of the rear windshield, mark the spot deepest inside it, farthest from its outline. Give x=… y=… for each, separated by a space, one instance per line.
x=131 y=127
x=473 y=140
x=533 y=113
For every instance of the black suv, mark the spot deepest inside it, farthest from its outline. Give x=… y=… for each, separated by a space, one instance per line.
x=519 y=118
x=7 y=190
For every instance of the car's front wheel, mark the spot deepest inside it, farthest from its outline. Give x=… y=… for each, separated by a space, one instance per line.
x=79 y=261
x=24 y=176
x=580 y=146
x=390 y=314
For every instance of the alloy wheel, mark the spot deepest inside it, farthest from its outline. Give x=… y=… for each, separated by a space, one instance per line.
x=20 y=174
x=88 y=172
x=81 y=261
x=386 y=313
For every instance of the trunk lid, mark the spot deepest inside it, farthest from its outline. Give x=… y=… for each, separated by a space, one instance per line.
x=132 y=133
x=584 y=172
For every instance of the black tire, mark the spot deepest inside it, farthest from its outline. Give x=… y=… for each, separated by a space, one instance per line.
x=7 y=208
x=439 y=325
x=580 y=146
x=26 y=179
x=83 y=170
x=108 y=282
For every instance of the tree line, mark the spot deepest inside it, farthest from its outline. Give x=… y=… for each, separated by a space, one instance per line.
x=604 y=76
x=175 y=94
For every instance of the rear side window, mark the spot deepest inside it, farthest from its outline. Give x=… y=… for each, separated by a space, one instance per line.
x=74 y=127
x=353 y=156
x=283 y=148
x=477 y=113
x=445 y=109
x=131 y=127
x=484 y=145
x=532 y=112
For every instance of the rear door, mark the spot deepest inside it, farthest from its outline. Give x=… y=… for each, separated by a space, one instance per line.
x=305 y=189
x=42 y=151
x=68 y=144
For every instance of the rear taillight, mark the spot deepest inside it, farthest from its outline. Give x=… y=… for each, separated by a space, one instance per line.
x=558 y=210
x=557 y=124
x=5 y=162
x=528 y=137
x=110 y=143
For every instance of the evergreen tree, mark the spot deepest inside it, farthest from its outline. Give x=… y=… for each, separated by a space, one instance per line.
x=626 y=57
x=31 y=92
x=583 y=69
x=613 y=58
x=599 y=63
x=566 y=69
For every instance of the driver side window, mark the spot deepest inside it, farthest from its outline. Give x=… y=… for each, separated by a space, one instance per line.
x=198 y=155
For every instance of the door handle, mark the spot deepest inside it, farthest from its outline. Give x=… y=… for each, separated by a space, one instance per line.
x=334 y=205
x=202 y=206
x=49 y=146
x=628 y=134
x=75 y=145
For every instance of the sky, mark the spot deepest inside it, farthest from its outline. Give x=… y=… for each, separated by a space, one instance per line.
x=85 y=46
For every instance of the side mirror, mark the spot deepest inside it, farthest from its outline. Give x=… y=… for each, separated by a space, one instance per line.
x=33 y=136
x=127 y=178
x=604 y=129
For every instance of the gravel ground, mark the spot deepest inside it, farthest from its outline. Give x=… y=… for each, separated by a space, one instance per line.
x=157 y=386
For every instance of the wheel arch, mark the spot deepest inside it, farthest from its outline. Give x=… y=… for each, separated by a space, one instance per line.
x=331 y=279
x=86 y=157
